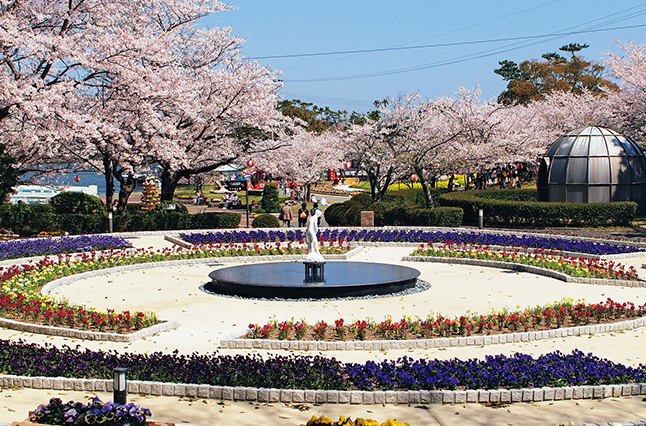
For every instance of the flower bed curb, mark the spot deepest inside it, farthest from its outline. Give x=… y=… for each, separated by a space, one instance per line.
x=87 y=334
x=268 y=395
x=523 y=268
x=49 y=287
x=148 y=331
x=440 y=342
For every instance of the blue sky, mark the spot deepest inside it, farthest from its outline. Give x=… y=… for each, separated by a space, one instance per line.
x=353 y=81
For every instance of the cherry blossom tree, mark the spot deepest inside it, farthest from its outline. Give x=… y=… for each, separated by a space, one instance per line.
x=307 y=156
x=369 y=145
x=122 y=86
x=629 y=104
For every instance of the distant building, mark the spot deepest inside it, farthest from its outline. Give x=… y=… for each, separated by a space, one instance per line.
x=593 y=165
x=41 y=194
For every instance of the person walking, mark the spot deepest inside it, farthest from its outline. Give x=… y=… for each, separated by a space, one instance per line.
x=303 y=214
x=286 y=215
x=315 y=208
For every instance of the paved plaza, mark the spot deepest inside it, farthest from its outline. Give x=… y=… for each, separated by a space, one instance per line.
x=173 y=292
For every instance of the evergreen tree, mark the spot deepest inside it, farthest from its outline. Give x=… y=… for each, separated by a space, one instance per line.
x=532 y=79
x=270 y=202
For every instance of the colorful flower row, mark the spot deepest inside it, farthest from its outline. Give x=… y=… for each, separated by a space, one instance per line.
x=573 y=266
x=565 y=313
x=402 y=235
x=96 y=412
x=15 y=249
x=325 y=421
x=20 y=285
x=316 y=372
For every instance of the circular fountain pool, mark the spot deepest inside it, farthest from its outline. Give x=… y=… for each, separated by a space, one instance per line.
x=286 y=280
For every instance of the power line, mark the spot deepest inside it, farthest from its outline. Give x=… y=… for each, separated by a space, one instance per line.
x=452 y=44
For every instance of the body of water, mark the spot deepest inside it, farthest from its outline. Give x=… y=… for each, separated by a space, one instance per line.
x=85 y=179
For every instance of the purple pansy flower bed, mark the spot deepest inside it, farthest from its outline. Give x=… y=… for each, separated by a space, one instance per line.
x=317 y=372
x=415 y=236
x=15 y=249
x=96 y=412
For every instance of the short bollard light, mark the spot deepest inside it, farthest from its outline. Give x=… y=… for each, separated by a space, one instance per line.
x=120 y=385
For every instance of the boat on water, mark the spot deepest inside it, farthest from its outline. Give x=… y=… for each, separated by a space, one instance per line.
x=41 y=194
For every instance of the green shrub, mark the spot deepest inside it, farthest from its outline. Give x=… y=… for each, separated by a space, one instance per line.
x=362 y=198
x=214 y=220
x=335 y=214
x=540 y=214
x=439 y=216
x=379 y=208
x=77 y=224
x=167 y=220
x=265 y=220
x=352 y=216
x=77 y=203
x=397 y=215
x=527 y=194
x=28 y=219
x=269 y=202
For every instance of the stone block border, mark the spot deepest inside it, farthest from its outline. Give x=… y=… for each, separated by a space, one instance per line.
x=311 y=396
x=87 y=334
x=523 y=268
x=149 y=331
x=386 y=345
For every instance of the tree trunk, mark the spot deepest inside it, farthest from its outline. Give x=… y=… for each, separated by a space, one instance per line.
x=109 y=183
x=128 y=185
x=428 y=197
x=168 y=185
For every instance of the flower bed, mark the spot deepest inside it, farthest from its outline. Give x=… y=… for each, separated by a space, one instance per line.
x=96 y=412
x=20 y=297
x=316 y=372
x=567 y=313
x=416 y=236
x=569 y=265
x=15 y=249
x=325 y=421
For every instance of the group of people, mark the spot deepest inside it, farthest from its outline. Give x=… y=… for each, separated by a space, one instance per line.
x=230 y=201
x=303 y=214
x=200 y=198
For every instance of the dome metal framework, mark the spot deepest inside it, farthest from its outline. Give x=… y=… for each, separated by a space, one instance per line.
x=593 y=165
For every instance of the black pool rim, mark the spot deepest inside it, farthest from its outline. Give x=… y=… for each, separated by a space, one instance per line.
x=286 y=280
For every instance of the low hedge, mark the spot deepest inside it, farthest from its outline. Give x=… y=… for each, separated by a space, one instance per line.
x=405 y=207
x=168 y=220
x=421 y=216
x=265 y=220
x=28 y=220
x=506 y=212
x=349 y=214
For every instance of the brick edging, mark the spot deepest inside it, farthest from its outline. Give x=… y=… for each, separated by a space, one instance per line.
x=440 y=342
x=523 y=268
x=311 y=396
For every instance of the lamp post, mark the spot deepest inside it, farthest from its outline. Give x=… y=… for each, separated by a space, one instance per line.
x=120 y=386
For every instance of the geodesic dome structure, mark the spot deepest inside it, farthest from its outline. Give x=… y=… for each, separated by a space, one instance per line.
x=593 y=165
